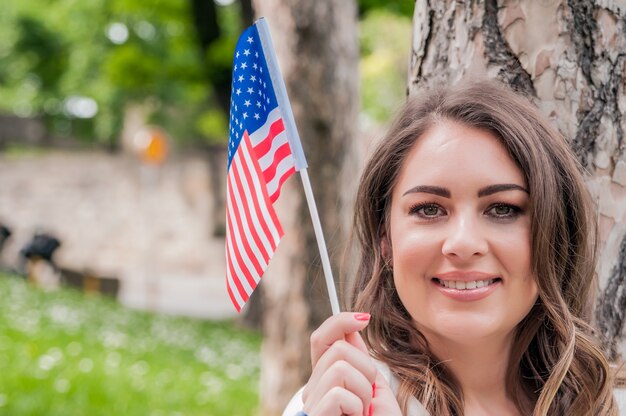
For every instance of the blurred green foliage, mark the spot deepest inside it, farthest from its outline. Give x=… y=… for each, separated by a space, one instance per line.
x=384 y=63
x=80 y=65
x=64 y=353
x=114 y=52
x=397 y=7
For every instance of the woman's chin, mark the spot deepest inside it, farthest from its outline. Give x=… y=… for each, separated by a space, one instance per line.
x=463 y=330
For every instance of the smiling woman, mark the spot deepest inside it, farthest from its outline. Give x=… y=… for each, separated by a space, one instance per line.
x=476 y=271
x=459 y=233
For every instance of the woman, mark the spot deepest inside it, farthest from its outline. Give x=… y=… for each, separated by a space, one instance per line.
x=476 y=271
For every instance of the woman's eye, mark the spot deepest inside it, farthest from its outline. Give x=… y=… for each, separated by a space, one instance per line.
x=503 y=211
x=430 y=210
x=427 y=210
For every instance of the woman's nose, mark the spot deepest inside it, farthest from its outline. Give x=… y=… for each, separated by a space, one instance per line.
x=464 y=238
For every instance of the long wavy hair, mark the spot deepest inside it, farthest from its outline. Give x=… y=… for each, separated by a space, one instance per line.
x=556 y=367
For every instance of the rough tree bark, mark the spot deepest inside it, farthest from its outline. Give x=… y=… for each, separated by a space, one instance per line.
x=317 y=46
x=570 y=56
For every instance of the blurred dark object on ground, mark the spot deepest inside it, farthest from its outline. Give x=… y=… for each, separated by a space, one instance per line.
x=90 y=283
x=5 y=233
x=36 y=261
x=41 y=246
x=41 y=270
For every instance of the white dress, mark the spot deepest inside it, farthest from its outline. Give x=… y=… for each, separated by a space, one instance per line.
x=415 y=407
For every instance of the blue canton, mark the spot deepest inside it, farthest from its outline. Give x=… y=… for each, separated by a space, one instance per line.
x=252 y=94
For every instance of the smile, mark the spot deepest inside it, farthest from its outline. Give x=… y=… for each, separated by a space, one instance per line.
x=463 y=285
x=459 y=287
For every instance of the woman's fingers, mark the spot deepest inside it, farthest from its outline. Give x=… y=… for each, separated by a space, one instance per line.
x=384 y=402
x=337 y=402
x=343 y=375
x=343 y=372
x=336 y=328
x=347 y=353
x=355 y=339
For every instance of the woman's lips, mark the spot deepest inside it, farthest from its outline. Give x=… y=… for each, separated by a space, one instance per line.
x=466 y=287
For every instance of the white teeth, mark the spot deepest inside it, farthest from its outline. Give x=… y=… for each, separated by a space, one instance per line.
x=474 y=284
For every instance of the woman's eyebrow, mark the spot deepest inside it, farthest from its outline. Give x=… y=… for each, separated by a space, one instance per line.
x=486 y=191
x=436 y=190
x=492 y=189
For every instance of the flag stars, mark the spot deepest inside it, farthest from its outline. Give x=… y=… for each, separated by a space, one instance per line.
x=249 y=79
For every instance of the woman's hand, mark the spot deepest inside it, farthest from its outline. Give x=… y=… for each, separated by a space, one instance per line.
x=345 y=380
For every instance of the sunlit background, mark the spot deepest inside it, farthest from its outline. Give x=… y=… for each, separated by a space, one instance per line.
x=113 y=121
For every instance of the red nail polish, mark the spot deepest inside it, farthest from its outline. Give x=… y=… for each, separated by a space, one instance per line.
x=371 y=409
x=374 y=390
x=362 y=316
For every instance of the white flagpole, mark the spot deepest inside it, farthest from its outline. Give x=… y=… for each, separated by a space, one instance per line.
x=298 y=154
x=321 y=243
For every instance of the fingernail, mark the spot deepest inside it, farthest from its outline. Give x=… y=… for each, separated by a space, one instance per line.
x=374 y=390
x=362 y=316
x=371 y=409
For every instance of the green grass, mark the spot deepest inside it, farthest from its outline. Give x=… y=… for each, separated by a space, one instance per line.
x=64 y=353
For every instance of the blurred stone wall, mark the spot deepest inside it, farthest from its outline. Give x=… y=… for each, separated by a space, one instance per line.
x=150 y=227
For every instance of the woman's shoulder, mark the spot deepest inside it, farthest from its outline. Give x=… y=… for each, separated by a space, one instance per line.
x=415 y=407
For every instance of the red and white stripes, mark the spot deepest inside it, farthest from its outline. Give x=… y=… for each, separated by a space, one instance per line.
x=260 y=165
x=273 y=152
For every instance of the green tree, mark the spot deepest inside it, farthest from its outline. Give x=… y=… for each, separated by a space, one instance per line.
x=112 y=53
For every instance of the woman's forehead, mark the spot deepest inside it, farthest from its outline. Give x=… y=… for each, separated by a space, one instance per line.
x=450 y=152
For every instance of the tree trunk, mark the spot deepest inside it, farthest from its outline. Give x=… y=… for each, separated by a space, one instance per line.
x=570 y=55
x=317 y=46
x=209 y=31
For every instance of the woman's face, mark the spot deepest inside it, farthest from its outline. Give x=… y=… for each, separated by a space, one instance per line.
x=460 y=236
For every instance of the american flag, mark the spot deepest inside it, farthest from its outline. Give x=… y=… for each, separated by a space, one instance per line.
x=260 y=159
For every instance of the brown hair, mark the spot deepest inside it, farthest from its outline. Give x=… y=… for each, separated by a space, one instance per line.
x=555 y=366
